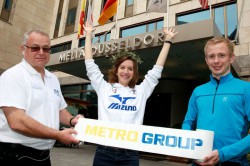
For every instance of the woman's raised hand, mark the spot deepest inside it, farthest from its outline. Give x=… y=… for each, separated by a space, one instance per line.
x=169 y=33
x=88 y=27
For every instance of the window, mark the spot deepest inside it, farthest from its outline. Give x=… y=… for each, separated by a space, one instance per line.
x=219 y=19
x=152 y=26
x=7 y=5
x=134 y=31
x=61 y=47
x=99 y=38
x=193 y=17
x=232 y=22
x=84 y=92
x=82 y=42
x=70 y=23
x=58 y=18
x=81 y=93
x=129 y=8
x=6 y=10
x=71 y=17
x=224 y=16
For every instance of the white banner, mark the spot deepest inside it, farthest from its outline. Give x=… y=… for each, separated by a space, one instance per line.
x=167 y=141
x=159 y=6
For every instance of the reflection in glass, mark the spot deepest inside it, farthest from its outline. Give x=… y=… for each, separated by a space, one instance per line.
x=223 y=14
x=148 y=27
x=232 y=21
x=108 y=37
x=219 y=19
x=134 y=31
x=101 y=39
x=130 y=2
x=151 y=27
x=95 y=39
x=60 y=48
x=71 y=16
x=159 y=25
x=194 y=17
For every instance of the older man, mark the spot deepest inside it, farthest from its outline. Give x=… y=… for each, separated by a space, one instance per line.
x=32 y=107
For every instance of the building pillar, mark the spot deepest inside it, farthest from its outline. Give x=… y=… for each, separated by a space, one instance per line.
x=63 y=18
x=1 y=6
x=55 y=13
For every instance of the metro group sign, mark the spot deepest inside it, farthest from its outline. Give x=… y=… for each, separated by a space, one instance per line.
x=174 y=142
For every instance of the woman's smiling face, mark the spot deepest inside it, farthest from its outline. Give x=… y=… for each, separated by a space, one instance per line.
x=125 y=72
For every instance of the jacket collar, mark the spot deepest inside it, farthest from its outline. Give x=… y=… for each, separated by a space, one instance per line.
x=223 y=79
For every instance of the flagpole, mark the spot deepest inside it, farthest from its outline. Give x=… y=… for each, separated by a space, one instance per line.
x=116 y=18
x=104 y=34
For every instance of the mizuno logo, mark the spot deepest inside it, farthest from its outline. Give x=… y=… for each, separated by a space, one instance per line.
x=123 y=101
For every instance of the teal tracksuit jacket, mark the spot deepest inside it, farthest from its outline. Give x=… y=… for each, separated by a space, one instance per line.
x=223 y=106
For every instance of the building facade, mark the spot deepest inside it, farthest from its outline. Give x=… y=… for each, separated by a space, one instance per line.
x=132 y=28
x=17 y=17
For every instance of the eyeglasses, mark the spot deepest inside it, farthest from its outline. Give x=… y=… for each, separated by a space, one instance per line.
x=37 y=48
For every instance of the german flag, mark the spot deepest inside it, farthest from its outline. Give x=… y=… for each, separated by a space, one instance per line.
x=108 y=11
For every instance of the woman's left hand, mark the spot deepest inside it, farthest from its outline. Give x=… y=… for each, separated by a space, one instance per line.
x=169 y=33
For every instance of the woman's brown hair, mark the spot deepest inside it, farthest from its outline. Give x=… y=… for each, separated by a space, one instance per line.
x=113 y=78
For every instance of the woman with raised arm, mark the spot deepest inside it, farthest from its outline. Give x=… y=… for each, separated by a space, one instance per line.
x=120 y=99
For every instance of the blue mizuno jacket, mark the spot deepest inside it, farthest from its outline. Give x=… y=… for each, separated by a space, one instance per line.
x=223 y=106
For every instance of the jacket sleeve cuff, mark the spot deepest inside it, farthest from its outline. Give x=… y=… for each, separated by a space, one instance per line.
x=158 y=68
x=221 y=156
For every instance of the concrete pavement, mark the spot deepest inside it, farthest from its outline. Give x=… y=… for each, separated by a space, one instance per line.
x=84 y=154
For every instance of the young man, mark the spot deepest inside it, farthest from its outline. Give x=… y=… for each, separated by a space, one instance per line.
x=32 y=107
x=222 y=105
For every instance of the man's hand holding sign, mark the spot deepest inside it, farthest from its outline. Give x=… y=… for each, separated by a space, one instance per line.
x=167 y=141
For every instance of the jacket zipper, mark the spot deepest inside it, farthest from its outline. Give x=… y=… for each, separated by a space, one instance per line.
x=218 y=82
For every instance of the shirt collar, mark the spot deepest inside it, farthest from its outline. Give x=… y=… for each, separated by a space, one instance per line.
x=32 y=71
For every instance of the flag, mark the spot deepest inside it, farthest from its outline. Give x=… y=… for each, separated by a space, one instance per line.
x=89 y=15
x=159 y=6
x=108 y=11
x=81 y=19
x=204 y=4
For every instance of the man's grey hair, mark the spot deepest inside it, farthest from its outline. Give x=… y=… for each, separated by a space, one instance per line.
x=27 y=34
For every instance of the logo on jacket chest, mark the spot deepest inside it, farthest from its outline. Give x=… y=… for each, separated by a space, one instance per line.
x=224 y=99
x=122 y=103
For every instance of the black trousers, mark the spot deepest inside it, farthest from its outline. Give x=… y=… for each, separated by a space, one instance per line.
x=17 y=154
